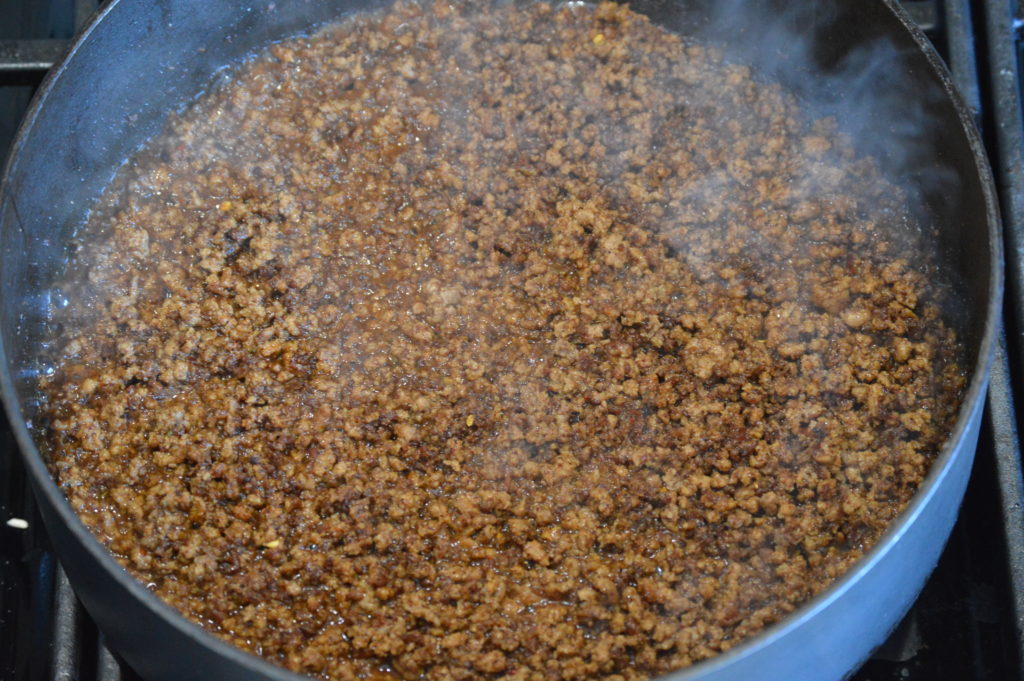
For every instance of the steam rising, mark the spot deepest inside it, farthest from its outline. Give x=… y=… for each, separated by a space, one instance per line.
x=841 y=63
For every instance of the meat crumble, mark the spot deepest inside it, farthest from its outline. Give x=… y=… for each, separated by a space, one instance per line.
x=482 y=340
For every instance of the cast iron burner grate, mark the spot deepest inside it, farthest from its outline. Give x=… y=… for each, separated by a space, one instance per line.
x=968 y=623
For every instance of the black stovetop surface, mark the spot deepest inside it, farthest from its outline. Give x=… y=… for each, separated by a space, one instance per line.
x=966 y=625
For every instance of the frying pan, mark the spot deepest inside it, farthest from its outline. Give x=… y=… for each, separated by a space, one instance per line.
x=139 y=60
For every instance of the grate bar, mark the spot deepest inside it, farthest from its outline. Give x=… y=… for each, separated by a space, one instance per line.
x=1008 y=157
x=68 y=625
x=1008 y=161
x=963 y=61
x=30 y=56
x=1006 y=442
x=107 y=666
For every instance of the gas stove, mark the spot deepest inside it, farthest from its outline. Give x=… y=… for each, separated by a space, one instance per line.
x=968 y=623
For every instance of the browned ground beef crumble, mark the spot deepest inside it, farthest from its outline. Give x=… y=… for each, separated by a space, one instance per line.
x=471 y=341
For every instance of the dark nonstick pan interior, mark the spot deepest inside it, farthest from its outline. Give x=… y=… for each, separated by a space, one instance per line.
x=140 y=61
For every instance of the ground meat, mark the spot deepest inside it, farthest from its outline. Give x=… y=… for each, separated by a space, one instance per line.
x=491 y=340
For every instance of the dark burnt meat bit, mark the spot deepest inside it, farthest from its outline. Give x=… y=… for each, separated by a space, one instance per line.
x=497 y=340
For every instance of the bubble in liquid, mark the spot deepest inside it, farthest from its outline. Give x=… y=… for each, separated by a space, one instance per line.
x=58 y=299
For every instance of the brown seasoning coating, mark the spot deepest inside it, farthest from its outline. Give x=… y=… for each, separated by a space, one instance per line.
x=481 y=342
